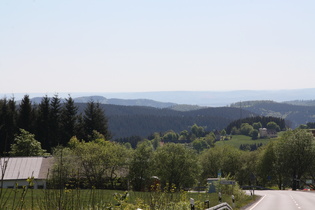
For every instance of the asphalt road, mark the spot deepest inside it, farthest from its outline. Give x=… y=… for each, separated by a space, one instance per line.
x=287 y=200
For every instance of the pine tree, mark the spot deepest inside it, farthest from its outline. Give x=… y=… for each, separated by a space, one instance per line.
x=68 y=121
x=55 y=111
x=8 y=126
x=95 y=119
x=26 y=114
x=43 y=128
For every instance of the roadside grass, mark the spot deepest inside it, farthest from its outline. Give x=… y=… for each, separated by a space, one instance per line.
x=111 y=199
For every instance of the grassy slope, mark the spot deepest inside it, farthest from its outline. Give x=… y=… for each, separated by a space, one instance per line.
x=237 y=140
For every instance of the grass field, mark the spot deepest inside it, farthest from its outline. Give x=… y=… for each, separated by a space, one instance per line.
x=108 y=199
x=237 y=140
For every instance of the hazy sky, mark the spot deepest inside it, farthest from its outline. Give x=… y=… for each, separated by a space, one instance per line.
x=139 y=46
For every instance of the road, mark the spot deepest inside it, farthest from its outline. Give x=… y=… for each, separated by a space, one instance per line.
x=288 y=200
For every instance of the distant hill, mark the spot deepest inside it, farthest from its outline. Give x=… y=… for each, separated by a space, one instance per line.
x=218 y=98
x=126 y=121
x=296 y=114
x=301 y=102
x=116 y=101
x=200 y=98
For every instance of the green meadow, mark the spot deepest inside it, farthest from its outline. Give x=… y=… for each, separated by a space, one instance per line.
x=237 y=140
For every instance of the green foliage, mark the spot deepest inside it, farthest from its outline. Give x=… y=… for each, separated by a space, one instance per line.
x=94 y=119
x=43 y=122
x=246 y=129
x=114 y=200
x=100 y=162
x=297 y=145
x=223 y=132
x=257 y=125
x=273 y=126
x=198 y=131
x=184 y=135
x=224 y=158
x=170 y=136
x=201 y=144
x=8 y=124
x=254 y=134
x=156 y=140
x=139 y=166
x=176 y=164
x=68 y=121
x=235 y=131
x=25 y=144
x=267 y=165
x=26 y=114
x=258 y=119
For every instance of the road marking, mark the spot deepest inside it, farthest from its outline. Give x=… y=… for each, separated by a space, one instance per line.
x=295 y=202
x=257 y=203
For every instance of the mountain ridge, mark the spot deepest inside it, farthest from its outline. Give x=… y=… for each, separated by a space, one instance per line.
x=201 y=98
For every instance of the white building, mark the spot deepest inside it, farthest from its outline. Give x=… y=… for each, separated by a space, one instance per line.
x=14 y=171
x=263 y=132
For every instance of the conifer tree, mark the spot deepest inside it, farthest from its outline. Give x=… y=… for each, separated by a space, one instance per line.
x=55 y=111
x=68 y=121
x=95 y=119
x=8 y=126
x=26 y=114
x=43 y=113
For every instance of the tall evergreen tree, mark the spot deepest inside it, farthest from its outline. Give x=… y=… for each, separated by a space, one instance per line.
x=55 y=111
x=95 y=119
x=26 y=114
x=68 y=121
x=8 y=126
x=43 y=121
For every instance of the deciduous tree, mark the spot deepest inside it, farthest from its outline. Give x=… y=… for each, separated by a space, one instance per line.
x=295 y=152
x=139 y=168
x=176 y=165
x=25 y=144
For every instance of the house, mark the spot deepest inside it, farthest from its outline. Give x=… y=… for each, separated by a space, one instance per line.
x=263 y=132
x=14 y=171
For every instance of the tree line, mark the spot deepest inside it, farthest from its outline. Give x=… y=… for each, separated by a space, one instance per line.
x=258 y=122
x=53 y=123
x=286 y=162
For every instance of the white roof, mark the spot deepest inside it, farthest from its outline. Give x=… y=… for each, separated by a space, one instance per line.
x=24 y=167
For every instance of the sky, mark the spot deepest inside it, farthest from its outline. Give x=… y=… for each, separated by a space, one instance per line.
x=56 y=46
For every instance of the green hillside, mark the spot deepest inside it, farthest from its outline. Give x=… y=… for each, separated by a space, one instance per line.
x=295 y=115
x=237 y=140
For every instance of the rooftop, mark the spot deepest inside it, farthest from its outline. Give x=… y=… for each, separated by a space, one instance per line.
x=23 y=167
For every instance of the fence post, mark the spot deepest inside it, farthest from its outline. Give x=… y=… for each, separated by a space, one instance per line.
x=192 y=204
x=220 y=197
x=207 y=204
x=233 y=201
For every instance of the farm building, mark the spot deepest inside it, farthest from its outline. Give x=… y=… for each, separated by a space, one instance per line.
x=14 y=171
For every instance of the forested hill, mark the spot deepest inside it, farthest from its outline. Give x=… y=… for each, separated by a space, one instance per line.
x=115 y=101
x=126 y=121
x=296 y=114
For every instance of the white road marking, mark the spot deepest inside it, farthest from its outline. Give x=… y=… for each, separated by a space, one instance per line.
x=295 y=202
x=258 y=202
